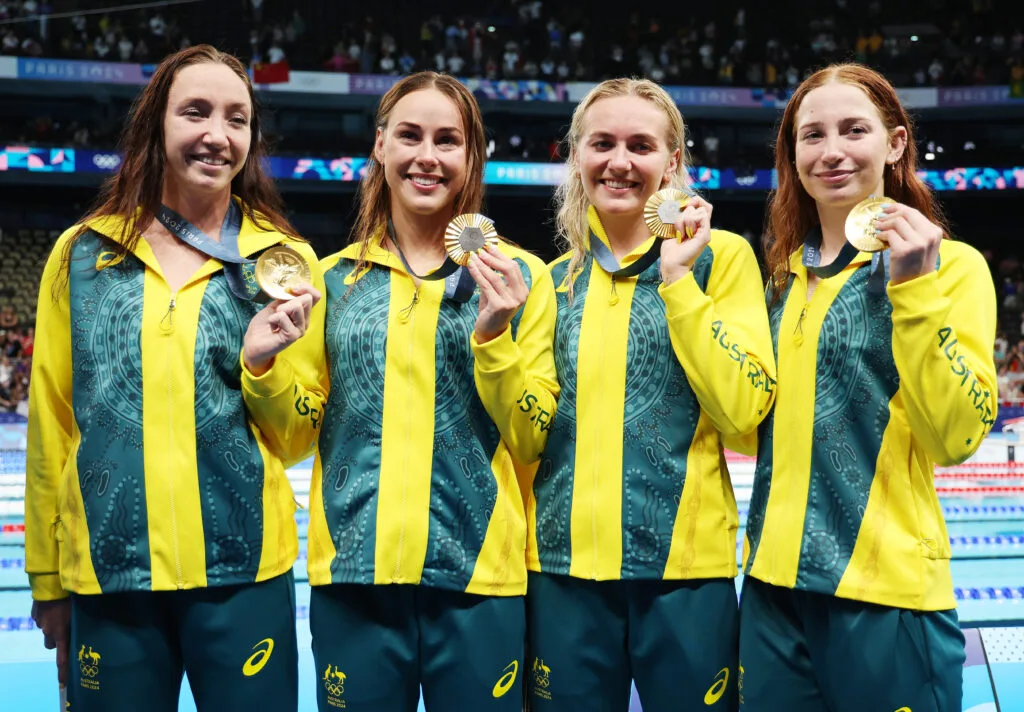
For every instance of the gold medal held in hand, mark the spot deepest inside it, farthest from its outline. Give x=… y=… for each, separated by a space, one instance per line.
x=860 y=224
x=467 y=234
x=279 y=269
x=662 y=210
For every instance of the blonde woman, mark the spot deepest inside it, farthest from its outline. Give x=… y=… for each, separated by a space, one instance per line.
x=632 y=516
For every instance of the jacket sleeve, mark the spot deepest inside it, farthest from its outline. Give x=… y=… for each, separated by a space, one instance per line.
x=287 y=402
x=722 y=339
x=516 y=378
x=944 y=325
x=51 y=427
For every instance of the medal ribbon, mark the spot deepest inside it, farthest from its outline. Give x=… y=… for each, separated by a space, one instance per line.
x=812 y=261
x=609 y=264
x=458 y=282
x=239 y=271
x=812 y=256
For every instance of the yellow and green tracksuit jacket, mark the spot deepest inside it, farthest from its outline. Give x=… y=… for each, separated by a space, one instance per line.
x=414 y=480
x=144 y=471
x=633 y=483
x=875 y=388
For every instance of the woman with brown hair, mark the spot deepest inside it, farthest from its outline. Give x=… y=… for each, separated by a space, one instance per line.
x=159 y=521
x=884 y=369
x=438 y=388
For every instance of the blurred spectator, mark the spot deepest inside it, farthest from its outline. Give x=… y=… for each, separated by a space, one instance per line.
x=8 y=318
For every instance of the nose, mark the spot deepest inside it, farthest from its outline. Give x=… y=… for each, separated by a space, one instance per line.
x=833 y=152
x=215 y=136
x=428 y=155
x=619 y=160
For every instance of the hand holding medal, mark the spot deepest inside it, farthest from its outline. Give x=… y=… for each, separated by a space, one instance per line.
x=879 y=223
x=684 y=221
x=860 y=224
x=279 y=269
x=468 y=234
x=284 y=275
x=471 y=241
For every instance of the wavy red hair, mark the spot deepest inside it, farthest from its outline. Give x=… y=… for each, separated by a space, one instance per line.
x=792 y=212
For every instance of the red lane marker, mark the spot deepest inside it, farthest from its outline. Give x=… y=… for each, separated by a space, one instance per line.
x=979 y=475
x=1007 y=490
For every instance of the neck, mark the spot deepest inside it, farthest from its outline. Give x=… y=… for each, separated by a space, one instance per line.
x=205 y=211
x=420 y=234
x=833 y=230
x=625 y=232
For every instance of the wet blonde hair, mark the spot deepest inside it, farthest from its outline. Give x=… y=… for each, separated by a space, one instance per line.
x=570 y=198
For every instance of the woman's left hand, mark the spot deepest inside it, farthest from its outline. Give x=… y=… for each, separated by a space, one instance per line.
x=678 y=256
x=502 y=291
x=275 y=327
x=913 y=241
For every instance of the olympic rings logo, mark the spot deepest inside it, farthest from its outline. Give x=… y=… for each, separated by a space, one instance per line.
x=334 y=689
x=106 y=161
x=89 y=670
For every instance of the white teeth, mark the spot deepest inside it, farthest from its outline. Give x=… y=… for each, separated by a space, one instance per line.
x=425 y=180
x=618 y=184
x=211 y=161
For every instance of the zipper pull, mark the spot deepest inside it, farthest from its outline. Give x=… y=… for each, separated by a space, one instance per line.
x=167 y=323
x=613 y=298
x=798 y=332
x=406 y=313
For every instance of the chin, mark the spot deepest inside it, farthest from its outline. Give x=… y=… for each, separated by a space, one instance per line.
x=847 y=194
x=619 y=207
x=427 y=206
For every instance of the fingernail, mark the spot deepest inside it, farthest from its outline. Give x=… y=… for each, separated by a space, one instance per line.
x=884 y=206
x=877 y=232
x=879 y=215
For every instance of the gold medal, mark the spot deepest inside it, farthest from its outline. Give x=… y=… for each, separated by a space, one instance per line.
x=280 y=268
x=860 y=225
x=662 y=210
x=467 y=234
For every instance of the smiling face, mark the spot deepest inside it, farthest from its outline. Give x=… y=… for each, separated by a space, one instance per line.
x=207 y=131
x=423 y=150
x=624 y=155
x=842 y=146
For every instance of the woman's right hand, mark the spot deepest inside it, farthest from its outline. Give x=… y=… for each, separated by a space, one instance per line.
x=277 y=326
x=54 y=619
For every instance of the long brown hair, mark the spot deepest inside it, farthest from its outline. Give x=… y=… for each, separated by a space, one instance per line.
x=570 y=199
x=792 y=212
x=135 y=191
x=373 y=194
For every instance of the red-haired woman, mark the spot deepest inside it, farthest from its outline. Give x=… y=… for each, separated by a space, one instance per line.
x=884 y=369
x=158 y=517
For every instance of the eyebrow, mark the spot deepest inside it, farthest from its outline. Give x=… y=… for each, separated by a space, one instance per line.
x=413 y=125
x=845 y=121
x=236 y=106
x=641 y=136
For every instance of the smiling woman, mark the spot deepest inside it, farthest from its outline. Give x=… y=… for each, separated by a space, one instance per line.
x=437 y=395
x=207 y=140
x=885 y=369
x=633 y=521
x=159 y=521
